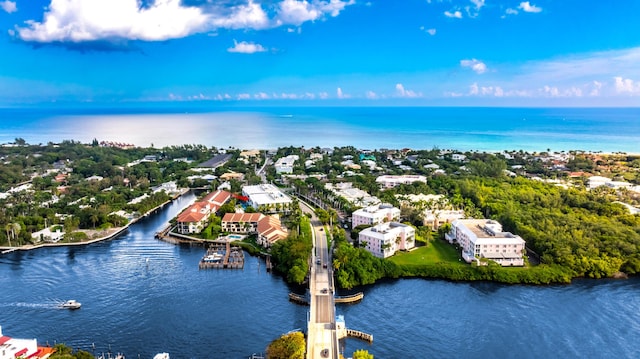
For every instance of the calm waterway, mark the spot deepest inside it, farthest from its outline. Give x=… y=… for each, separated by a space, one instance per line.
x=141 y=296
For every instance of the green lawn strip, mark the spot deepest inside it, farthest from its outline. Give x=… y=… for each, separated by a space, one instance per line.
x=435 y=252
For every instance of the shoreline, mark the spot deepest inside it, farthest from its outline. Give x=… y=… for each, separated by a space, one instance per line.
x=114 y=232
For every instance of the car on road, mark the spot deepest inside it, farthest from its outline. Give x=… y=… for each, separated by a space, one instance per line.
x=317 y=261
x=324 y=265
x=324 y=290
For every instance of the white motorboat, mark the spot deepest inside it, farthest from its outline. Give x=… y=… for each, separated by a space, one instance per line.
x=71 y=304
x=161 y=356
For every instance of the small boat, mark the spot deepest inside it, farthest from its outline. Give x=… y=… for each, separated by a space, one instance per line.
x=161 y=356
x=71 y=304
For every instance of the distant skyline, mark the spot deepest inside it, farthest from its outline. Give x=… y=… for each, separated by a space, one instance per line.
x=332 y=52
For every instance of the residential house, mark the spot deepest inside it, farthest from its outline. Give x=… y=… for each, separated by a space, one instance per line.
x=285 y=164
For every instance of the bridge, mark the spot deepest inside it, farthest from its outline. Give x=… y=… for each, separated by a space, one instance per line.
x=324 y=330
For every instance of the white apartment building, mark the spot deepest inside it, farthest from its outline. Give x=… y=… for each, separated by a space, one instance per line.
x=373 y=215
x=384 y=239
x=484 y=238
x=390 y=181
x=436 y=208
x=267 y=198
x=285 y=164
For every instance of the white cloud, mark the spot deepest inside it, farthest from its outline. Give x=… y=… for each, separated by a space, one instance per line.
x=428 y=31
x=476 y=65
x=82 y=20
x=371 y=95
x=595 y=91
x=478 y=3
x=8 y=6
x=473 y=89
x=527 y=7
x=222 y=97
x=402 y=92
x=245 y=47
x=626 y=86
x=324 y=95
x=340 y=94
x=261 y=96
x=509 y=11
x=456 y=14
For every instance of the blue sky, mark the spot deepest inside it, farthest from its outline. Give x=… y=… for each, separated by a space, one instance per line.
x=312 y=52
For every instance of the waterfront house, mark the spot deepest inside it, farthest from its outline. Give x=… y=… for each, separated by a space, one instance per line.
x=373 y=215
x=196 y=217
x=385 y=239
x=484 y=238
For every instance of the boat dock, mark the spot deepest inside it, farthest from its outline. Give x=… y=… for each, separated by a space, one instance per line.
x=222 y=256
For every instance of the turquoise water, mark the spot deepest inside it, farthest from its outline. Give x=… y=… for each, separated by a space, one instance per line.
x=485 y=129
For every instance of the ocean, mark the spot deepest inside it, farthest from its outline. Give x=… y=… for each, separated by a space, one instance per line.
x=459 y=128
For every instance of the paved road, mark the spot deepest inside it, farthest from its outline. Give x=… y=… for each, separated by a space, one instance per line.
x=321 y=334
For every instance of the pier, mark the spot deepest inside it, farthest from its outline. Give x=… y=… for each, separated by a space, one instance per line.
x=352 y=333
x=222 y=256
x=304 y=299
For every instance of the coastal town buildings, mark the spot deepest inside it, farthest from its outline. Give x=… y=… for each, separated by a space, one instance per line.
x=352 y=194
x=373 y=215
x=285 y=164
x=267 y=198
x=268 y=228
x=390 y=181
x=436 y=209
x=484 y=238
x=196 y=217
x=12 y=348
x=384 y=239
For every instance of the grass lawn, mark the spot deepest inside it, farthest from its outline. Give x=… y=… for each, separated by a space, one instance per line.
x=437 y=251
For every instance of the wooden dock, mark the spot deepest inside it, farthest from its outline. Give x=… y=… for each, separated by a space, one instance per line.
x=229 y=257
x=352 y=333
x=349 y=298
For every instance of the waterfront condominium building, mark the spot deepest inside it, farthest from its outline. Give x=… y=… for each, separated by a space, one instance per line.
x=196 y=217
x=484 y=238
x=373 y=215
x=268 y=228
x=390 y=181
x=384 y=239
x=267 y=198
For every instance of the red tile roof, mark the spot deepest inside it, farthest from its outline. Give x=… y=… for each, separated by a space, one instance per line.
x=4 y=339
x=242 y=217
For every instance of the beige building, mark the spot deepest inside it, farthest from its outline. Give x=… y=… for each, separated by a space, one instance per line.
x=484 y=238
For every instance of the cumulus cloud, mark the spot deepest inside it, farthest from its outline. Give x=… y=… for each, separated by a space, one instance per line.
x=626 y=86
x=8 y=6
x=77 y=21
x=456 y=14
x=402 y=92
x=476 y=65
x=473 y=89
x=245 y=47
x=296 y=12
x=509 y=11
x=340 y=94
x=371 y=95
x=527 y=7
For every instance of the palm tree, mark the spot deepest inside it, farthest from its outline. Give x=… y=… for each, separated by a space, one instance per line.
x=9 y=229
x=16 y=229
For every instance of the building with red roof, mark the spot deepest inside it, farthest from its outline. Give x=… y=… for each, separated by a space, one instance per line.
x=195 y=218
x=11 y=348
x=268 y=228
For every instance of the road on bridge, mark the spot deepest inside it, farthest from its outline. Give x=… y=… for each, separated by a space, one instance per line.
x=322 y=341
